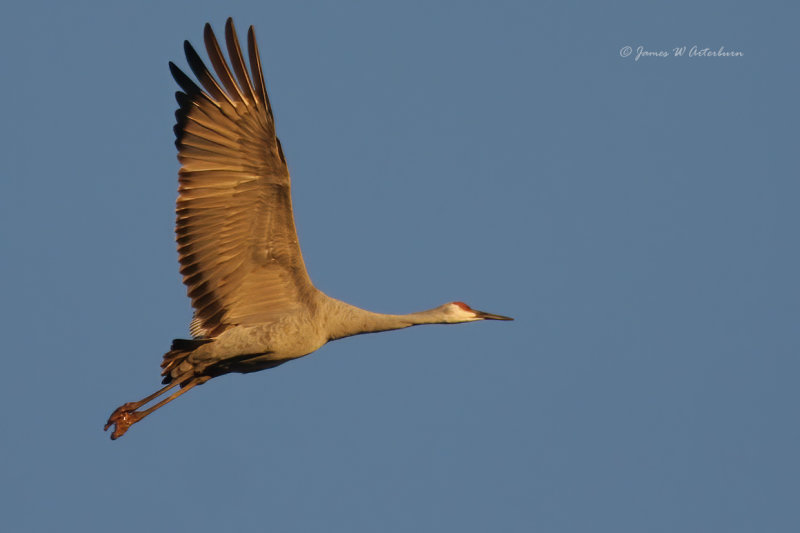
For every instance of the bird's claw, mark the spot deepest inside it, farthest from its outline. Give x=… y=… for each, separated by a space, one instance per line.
x=122 y=418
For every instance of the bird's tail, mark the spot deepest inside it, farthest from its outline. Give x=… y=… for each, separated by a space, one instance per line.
x=175 y=358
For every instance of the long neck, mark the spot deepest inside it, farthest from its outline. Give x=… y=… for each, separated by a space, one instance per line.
x=344 y=320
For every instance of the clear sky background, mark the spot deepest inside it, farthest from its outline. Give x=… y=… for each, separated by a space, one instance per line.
x=639 y=219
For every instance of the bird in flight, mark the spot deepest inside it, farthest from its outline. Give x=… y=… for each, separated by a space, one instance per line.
x=254 y=304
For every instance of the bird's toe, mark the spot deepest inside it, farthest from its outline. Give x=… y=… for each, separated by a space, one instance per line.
x=122 y=418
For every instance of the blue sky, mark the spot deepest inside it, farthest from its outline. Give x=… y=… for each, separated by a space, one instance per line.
x=638 y=219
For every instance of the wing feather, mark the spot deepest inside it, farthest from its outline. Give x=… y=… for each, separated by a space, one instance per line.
x=220 y=65
x=255 y=66
x=237 y=243
x=237 y=61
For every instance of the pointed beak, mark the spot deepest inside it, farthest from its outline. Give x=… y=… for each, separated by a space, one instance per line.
x=490 y=316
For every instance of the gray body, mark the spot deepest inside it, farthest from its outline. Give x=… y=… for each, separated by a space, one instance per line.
x=246 y=349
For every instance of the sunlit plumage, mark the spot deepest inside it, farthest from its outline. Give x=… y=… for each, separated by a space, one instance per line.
x=255 y=306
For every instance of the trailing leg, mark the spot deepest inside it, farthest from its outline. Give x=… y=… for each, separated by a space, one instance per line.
x=128 y=414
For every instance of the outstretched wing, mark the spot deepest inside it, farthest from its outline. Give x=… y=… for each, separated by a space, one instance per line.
x=237 y=242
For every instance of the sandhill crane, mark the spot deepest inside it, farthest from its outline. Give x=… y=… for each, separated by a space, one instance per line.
x=254 y=304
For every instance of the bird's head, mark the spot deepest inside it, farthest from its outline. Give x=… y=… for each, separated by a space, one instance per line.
x=455 y=312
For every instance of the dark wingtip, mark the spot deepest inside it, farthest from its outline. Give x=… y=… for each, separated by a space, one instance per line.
x=175 y=70
x=208 y=33
x=188 y=86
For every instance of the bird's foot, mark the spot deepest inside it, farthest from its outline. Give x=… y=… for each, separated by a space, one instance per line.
x=122 y=418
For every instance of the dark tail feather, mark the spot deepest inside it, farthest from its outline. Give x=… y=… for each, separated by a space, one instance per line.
x=177 y=354
x=188 y=344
